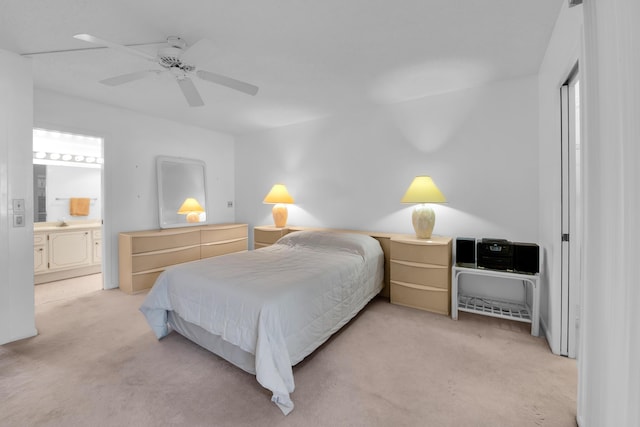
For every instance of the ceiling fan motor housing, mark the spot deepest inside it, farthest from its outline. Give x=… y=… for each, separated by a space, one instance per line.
x=169 y=57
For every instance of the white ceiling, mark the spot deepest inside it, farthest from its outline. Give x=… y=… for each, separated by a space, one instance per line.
x=310 y=58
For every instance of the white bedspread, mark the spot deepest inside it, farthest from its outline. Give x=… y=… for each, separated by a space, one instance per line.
x=278 y=303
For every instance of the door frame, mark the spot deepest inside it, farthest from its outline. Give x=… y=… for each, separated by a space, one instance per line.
x=571 y=213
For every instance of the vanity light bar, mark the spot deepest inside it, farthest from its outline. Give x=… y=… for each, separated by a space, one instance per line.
x=67 y=157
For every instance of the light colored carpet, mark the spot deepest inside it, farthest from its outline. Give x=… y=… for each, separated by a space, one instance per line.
x=57 y=291
x=95 y=362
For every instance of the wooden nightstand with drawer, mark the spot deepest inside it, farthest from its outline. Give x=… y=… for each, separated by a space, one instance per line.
x=421 y=273
x=267 y=235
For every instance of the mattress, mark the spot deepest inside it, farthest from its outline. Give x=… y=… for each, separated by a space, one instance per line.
x=267 y=309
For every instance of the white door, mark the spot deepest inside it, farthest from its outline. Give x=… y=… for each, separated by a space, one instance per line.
x=571 y=214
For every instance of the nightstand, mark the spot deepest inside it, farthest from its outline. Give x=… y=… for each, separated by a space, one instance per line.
x=421 y=273
x=266 y=235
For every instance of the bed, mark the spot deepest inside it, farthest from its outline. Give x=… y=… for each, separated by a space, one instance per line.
x=266 y=310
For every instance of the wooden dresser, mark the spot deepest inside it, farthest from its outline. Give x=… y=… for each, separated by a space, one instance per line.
x=143 y=255
x=421 y=273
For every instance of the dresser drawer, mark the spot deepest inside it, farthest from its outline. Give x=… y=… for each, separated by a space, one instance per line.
x=160 y=241
x=267 y=236
x=222 y=234
x=216 y=249
x=153 y=260
x=426 y=253
x=141 y=282
x=39 y=238
x=420 y=297
x=436 y=276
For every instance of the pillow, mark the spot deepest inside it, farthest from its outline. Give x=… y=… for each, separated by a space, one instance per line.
x=360 y=244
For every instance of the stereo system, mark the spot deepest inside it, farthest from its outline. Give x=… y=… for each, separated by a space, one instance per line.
x=498 y=254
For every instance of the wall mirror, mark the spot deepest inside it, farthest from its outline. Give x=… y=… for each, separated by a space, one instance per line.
x=181 y=192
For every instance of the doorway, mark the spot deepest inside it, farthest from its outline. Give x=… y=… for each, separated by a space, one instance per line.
x=571 y=265
x=67 y=217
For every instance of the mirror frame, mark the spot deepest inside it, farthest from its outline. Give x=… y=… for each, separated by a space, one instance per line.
x=177 y=178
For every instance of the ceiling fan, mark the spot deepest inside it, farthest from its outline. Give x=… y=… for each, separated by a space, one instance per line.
x=179 y=60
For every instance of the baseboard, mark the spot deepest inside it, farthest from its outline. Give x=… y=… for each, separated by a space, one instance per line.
x=23 y=336
x=547 y=334
x=66 y=274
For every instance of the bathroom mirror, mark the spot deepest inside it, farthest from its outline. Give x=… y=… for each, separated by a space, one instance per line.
x=181 y=192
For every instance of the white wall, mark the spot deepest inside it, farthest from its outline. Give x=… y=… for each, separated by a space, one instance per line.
x=64 y=182
x=479 y=145
x=609 y=378
x=562 y=54
x=132 y=142
x=16 y=178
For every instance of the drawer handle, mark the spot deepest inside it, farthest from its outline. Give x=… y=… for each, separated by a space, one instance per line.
x=419 y=264
x=418 y=287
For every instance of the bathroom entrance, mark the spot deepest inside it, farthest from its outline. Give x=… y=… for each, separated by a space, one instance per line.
x=67 y=186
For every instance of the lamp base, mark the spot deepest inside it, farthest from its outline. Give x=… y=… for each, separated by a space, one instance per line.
x=280 y=214
x=423 y=218
x=193 y=217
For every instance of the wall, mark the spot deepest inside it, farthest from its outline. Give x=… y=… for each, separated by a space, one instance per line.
x=608 y=375
x=479 y=145
x=562 y=54
x=64 y=182
x=16 y=178
x=132 y=142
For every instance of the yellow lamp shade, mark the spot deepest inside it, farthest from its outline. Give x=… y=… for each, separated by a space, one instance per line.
x=278 y=194
x=190 y=205
x=423 y=190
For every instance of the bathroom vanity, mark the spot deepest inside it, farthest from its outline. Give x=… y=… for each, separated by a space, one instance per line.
x=65 y=251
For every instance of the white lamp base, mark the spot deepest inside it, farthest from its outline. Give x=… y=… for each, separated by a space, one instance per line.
x=280 y=214
x=423 y=218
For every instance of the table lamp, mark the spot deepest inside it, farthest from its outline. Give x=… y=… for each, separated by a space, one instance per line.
x=192 y=209
x=423 y=191
x=280 y=197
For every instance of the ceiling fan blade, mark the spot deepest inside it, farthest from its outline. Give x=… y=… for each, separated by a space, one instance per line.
x=190 y=92
x=126 y=78
x=198 y=51
x=228 y=82
x=95 y=40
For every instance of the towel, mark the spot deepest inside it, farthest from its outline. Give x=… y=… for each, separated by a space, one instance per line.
x=79 y=206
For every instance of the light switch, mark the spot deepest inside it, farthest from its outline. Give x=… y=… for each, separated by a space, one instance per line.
x=18 y=220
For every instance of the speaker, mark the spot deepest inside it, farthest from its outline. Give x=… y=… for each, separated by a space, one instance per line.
x=495 y=254
x=466 y=252
x=526 y=258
